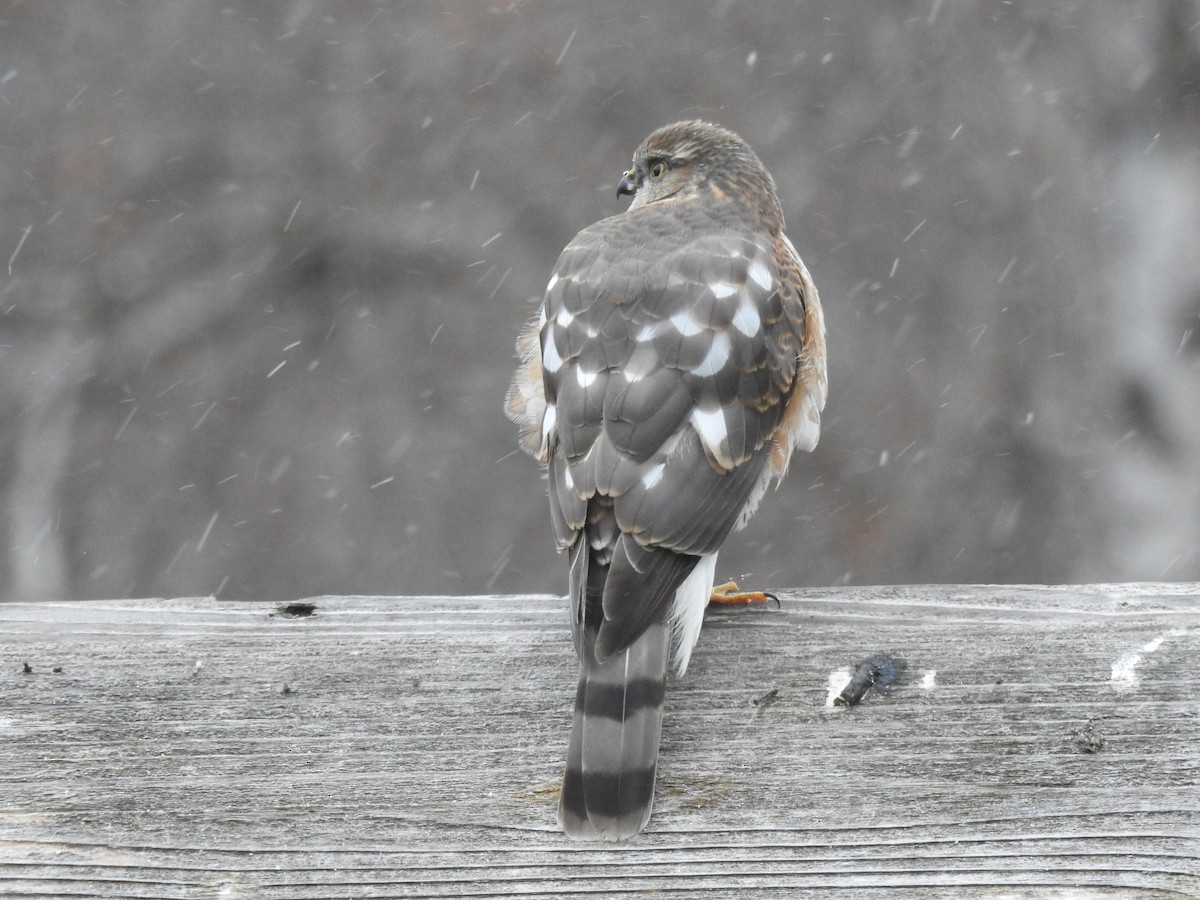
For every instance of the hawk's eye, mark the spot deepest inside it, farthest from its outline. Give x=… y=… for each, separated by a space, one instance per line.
x=658 y=169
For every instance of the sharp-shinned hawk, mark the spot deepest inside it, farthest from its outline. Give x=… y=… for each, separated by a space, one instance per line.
x=677 y=361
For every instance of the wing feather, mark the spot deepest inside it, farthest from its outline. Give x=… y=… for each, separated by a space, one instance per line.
x=666 y=359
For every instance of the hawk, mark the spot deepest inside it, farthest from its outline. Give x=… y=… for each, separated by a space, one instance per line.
x=677 y=362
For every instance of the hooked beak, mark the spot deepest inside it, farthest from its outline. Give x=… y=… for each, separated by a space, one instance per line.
x=627 y=186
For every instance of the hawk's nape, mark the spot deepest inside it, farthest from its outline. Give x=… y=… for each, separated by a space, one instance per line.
x=677 y=361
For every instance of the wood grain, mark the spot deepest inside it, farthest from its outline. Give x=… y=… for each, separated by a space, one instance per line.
x=411 y=747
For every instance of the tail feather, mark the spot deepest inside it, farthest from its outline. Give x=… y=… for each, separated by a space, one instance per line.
x=608 y=787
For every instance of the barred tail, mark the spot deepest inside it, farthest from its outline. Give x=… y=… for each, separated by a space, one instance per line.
x=608 y=788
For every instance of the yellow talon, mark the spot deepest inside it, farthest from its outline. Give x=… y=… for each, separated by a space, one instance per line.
x=727 y=594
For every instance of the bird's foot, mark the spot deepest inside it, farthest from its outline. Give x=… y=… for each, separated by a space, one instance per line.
x=727 y=594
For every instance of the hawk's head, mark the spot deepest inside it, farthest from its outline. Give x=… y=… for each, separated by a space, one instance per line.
x=692 y=159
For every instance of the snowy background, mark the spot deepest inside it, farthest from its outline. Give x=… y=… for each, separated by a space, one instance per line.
x=263 y=266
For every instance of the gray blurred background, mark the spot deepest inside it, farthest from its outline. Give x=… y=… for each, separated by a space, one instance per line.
x=263 y=266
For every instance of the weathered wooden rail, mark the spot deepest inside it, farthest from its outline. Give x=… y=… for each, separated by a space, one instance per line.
x=1043 y=742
